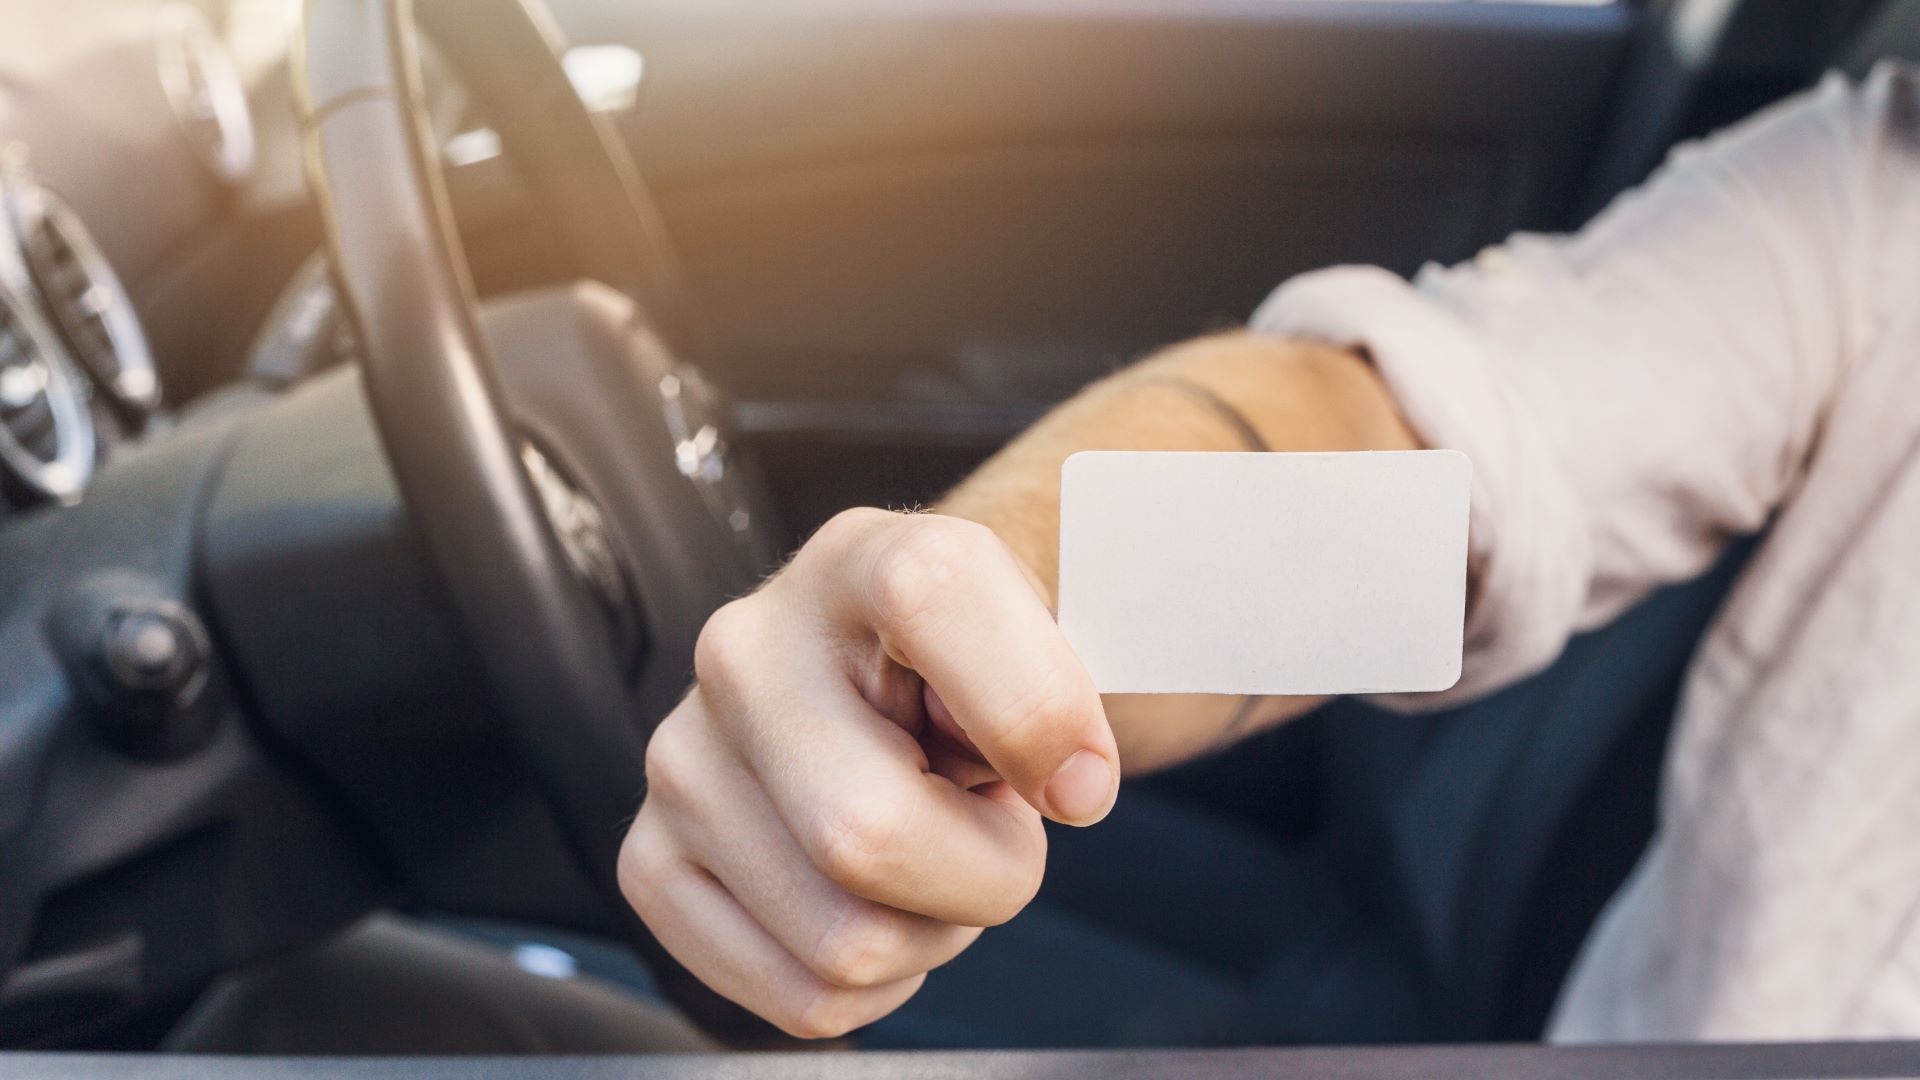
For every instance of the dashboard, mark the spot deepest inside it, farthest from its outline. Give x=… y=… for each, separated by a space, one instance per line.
x=157 y=240
x=128 y=151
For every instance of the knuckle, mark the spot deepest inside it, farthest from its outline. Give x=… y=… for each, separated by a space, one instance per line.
x=1023 y=884
x=670 y=764
x=840 y=538
x=640 y=867
x=1056 y=702
x=919 y=565
x=828 y=1014
x=855 y=845
x=848 y=524
x=1003 y=911
x=720 y=652
x=628 y=871
x=860 y=948
x=1023 y=894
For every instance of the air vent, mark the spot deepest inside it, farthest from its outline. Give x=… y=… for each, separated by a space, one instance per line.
x=80 y=293
x=46 y=434
x=24 y=408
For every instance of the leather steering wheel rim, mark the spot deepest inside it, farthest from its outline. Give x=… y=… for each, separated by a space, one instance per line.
x=436 y=391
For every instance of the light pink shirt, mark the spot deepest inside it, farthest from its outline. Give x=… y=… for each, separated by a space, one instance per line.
x=1735 y=344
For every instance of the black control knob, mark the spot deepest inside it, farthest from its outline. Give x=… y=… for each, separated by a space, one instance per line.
x=153 y=647
x=142 y=666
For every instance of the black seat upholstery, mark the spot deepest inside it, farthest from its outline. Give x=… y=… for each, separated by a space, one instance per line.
x=1892 y=33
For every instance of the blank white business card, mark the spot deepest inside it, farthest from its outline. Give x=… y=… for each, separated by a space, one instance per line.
x=1265 y=573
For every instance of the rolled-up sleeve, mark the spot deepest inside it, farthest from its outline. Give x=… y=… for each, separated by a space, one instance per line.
x=1635 y=394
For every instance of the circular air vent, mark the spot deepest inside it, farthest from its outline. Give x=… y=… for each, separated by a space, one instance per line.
x=208 y=95
x=46 y=433
x=79 y=291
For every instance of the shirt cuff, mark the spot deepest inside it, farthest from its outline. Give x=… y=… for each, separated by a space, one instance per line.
x=1529 y=547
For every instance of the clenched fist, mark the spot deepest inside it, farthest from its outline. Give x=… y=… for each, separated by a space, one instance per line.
x=855 y=784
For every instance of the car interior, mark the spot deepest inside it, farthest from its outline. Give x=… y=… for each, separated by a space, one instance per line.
x=390 y=388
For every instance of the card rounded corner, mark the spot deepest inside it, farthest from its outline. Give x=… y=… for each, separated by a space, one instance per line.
x=1458 y=458
x=1069 y=465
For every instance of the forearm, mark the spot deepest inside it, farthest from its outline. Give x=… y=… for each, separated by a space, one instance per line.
x=1230 y=392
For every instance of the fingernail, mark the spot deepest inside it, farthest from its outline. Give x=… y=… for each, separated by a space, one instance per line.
x=1082 y=791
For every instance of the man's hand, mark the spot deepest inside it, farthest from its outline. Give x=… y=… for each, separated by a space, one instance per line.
x=854 y=786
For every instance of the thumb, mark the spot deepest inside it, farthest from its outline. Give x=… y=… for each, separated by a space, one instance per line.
x=1080 y=787
x=1078 y=792
x=1002 y=674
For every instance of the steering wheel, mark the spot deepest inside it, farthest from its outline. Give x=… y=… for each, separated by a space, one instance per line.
x=579 y=504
